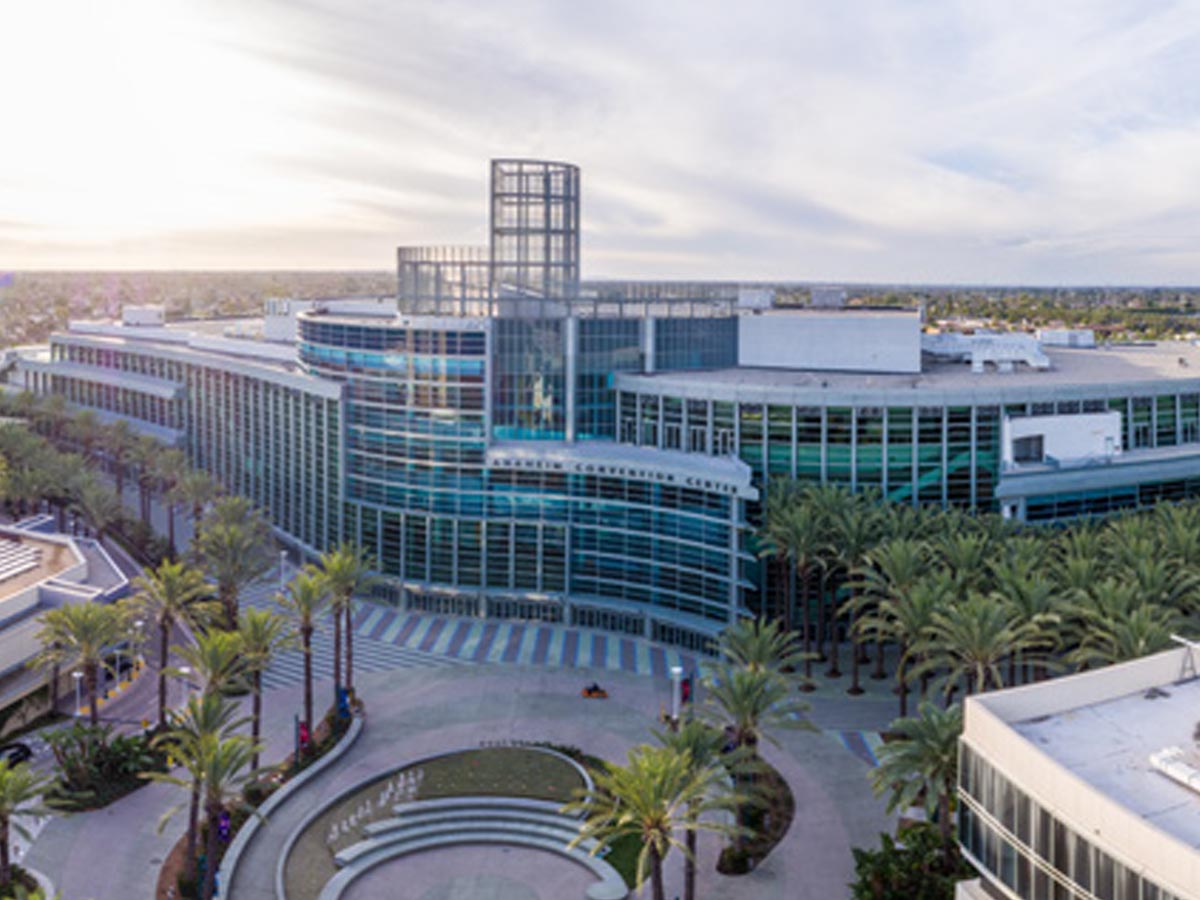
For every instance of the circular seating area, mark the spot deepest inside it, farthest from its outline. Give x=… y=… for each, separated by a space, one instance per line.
x=426 y=824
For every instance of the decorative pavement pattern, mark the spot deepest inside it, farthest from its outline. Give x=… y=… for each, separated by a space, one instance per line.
x=387 y=639
x=862 y=744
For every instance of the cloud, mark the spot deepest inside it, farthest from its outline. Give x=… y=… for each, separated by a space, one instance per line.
x=932 y=140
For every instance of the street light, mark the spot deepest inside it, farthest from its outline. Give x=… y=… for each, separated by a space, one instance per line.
x=185 y=673
x=282 y=564
x=676 y=694
x=78 y=676
x=138 y=625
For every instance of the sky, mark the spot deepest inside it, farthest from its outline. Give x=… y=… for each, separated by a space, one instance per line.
x=949 y=141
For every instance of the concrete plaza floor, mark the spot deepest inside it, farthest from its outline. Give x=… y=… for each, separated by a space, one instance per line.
x=114 y=854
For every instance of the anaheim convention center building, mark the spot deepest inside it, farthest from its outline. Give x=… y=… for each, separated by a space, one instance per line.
x=508 y=440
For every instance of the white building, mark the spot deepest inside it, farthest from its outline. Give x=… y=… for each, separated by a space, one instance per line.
x=1086 y=787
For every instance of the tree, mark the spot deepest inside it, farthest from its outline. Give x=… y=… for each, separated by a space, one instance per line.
x=922 y=763
x=204 y=720
x=79 y=634
x=226 y=768
x=171 y=594
x=233 y=544
x=87 y=433
x=702 y=746
x=217 y=659
x=759 y=644
x=194 y=490
x=1141 y=631
x=658 y=793
x=799 y=537
x=264 y=633
x=305 y=600
x=969 y=640
x=119 y=441
x=20 y=789
x=97 y=504
x=348 y=571
x=856 y=531
x=145 y=455
x=169 y=469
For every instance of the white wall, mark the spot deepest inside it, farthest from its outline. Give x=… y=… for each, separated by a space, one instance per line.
x=846 y=341
x=1065 y=437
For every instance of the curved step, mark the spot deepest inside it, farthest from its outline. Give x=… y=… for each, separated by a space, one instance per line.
x=563 y=833
x=611 y=885
x=470 y=816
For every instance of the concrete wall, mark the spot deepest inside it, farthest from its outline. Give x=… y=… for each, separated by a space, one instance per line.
x=1065 y=437
x=845 y=341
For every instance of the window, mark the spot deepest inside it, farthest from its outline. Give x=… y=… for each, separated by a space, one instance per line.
x=1028 y=449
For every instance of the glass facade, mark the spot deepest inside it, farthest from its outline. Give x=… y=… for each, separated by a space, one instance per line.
x=1024 y=847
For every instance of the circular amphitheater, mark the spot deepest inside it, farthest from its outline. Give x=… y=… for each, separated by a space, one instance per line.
x=414 y=824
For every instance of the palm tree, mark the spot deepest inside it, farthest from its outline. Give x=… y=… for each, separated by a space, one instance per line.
x=194 y=490
x=702 y=745
x=887 y=574
x=969 y=639
x=97 y=504
x=800 y=538
x=79 y=634
x=305 y=600
x=227 y=769
x=658 y=793
x=348 y=571
x=264 y=633
x=204 y=720
x=173 y=593
x=905 y=617
x=1139 y=632
x=87 y=433
x=20 y=788
x=170 y=468
x=783 y=498
x=119 y=442
x=856 y=531
x=233 y=544
x=145 y=455
x=218 y=660
x=759 y=644
x=922 y=763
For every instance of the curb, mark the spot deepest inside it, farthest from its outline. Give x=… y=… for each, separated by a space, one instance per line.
x=241 y=840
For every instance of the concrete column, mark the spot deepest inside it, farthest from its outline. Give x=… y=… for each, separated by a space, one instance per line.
x=648 y=361
x=570 y=356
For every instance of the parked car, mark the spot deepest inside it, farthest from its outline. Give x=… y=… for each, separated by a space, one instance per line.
x=16 y=753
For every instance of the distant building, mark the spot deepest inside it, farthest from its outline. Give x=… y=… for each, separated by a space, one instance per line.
x=510 y=440
x=1086 y=786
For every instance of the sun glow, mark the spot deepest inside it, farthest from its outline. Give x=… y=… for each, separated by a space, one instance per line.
x=130 y=119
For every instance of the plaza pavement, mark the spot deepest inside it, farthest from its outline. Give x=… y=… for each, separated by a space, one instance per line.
x=114 y=854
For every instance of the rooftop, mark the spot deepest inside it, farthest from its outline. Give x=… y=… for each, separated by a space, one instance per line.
x=1168 y=361
x=1108 y=744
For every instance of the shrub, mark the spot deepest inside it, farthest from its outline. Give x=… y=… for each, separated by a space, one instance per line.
x=915 y=867
x=94 y=767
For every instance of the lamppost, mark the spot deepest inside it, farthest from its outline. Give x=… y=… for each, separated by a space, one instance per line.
x=282 y=565
x=676 y=694
x=185 y=672
x=78 y=676
x=138 y=625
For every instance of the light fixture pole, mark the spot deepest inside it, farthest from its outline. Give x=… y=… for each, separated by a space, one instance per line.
x=78 y=676
x=282 y=565
x=676 y=694
x=185 y=672
x=138 y=625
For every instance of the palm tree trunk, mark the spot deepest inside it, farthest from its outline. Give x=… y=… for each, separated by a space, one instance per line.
x=820 y=649
x=229 y=601
x=171 y=529
x=212 y=812
x=349 y=645
x=164 y=639
x=193 y=831
x=855 y=650
x=689 y=866
x=256 y=715
x=878 y=674
x=656 y=876
x=337 y=650
x=308 y=682
x=55 y=677
x=808 y=655
x=902 y=679
x=5 y=860
x=91 y=677
x=834 y=640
